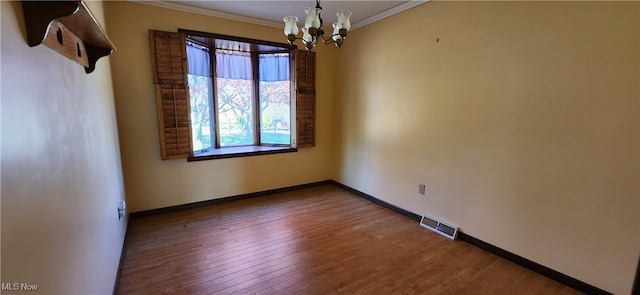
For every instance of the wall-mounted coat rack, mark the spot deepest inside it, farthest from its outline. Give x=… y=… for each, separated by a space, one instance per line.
x=69 y=28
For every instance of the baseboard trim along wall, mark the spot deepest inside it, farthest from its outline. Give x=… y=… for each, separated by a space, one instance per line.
x=157 y=211
x=541 y=269
x=122 y=253
x=636 y=282
x=538 y=268
x=404 y=212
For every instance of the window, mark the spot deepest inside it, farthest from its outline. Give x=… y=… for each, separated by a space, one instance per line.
x=250 y=103
x=239 y=99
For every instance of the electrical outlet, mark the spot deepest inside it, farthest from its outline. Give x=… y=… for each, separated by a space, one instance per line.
x=122 y=209
x=422 y=189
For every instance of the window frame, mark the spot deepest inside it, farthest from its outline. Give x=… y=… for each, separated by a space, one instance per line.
x=258 y=146
x=169 y=77
x=210 y=88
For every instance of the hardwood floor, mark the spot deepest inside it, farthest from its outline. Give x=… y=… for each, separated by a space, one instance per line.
x=318 y=240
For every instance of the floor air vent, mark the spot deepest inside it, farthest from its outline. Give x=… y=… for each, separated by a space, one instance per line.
x=439 y=227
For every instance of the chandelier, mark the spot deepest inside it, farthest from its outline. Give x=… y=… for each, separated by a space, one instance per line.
x=312 y=30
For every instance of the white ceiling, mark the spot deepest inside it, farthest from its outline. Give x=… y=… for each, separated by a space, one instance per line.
x=270 y=13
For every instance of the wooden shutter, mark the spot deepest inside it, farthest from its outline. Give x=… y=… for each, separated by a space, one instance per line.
x=168 y=57
x=169 y=69
x=305 y=98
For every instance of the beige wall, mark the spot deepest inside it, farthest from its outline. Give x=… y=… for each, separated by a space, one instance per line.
x=521 y=118
x=152 y=183
x=61 y=172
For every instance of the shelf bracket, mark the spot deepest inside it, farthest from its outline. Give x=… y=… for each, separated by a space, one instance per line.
x=39 y=14
x=69 y=28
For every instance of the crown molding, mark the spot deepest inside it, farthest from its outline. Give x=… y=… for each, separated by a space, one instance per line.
x=387 y=13
x=209 y=12
x=175 y=6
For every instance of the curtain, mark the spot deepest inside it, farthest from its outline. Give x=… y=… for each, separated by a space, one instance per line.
x=237 y=65
x=274 y=67
x=199 y=60
x=233 y=65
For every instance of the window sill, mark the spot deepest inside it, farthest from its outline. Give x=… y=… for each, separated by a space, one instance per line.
x=242 y=151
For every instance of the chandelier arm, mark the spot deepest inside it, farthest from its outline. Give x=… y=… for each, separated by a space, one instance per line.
x=319 y=13
x=328 y=40
x=314 y=40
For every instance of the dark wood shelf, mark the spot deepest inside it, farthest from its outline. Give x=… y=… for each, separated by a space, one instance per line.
x=69 y=28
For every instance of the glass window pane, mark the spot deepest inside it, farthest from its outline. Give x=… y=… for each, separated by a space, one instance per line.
x=234 y=98
x=275 y=112
x=201 y=131
x=235 y=112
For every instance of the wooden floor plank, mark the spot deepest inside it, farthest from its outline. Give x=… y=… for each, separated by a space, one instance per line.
x=317 y=240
